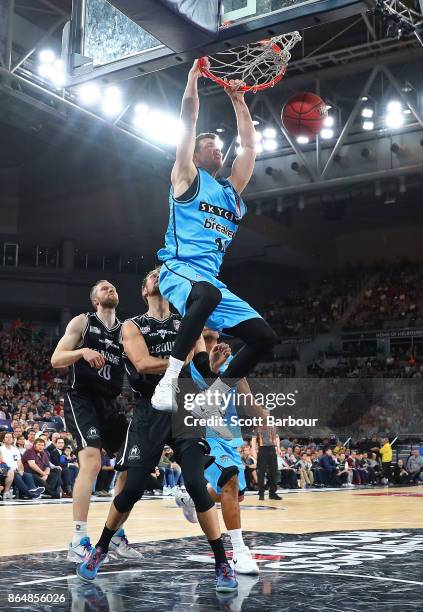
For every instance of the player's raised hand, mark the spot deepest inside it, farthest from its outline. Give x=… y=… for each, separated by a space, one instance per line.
x=233 y=89
x=94 y=358
x=218 y=355
x=195 y=69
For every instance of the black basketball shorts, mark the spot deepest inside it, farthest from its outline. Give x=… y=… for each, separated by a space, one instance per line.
x=95 y=421
x=148 y=432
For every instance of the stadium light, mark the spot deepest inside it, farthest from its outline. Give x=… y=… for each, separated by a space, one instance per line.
x=47 y=56
x=393 y=107
x=326 y=133
x=329 y=121
x=368 y=125
x=258 y=136
x=259 y=148
x=89 y=93
x=367 y=112
x=112 y=103
x=303 y=139
x=270 y=145
x=269 y=133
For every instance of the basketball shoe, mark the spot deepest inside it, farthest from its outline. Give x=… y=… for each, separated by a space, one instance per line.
x=120 y=547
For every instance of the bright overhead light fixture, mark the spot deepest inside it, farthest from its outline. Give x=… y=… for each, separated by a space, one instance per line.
x=368 y=125
x=303 y=139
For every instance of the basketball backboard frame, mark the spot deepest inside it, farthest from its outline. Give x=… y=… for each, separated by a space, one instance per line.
x=246 y=29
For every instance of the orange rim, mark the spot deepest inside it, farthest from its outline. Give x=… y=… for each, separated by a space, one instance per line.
x=224 y=83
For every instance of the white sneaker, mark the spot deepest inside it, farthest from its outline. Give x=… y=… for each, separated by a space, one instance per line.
x=120 y=547
x=77 y=553
x=244 y=563
x=8 y=495
x=184 y=501
x=164 y=397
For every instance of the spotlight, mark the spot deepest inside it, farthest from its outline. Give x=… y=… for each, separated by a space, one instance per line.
x=259 y=148
x=364 y=99
x=368 y=125
x=329 y=122
x=141 y=109
x=303 y=139
x=258 y=136
x=46 y=56
x=270 y=133
x=89 y=93
x=394 y=120
x=112 y=103
x=394 y=106
x=367 y=112
x=326 y=133
x=270 y=145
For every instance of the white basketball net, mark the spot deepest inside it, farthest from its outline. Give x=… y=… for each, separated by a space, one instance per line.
x=258 y=64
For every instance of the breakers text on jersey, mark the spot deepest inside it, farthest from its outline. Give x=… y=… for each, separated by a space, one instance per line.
x=211 y=223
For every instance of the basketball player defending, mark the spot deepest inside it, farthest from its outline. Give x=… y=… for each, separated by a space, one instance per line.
x=148 y=341
x=92 y=346
x=205 y=213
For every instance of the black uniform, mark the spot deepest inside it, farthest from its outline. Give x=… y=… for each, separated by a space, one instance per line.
x=151 y=429
x=91 y=411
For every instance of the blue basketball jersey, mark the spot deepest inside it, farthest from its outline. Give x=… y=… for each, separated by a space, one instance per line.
x=201 y=229
x=230 y=411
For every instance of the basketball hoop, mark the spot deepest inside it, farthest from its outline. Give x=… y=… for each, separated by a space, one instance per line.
x=259 y=65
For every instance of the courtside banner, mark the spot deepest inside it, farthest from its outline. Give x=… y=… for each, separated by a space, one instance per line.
x=300 y=407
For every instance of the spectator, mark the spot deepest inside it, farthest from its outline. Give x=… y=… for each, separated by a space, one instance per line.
x=20 y=444
x=414 y=466
x=68 y=473
x=317 y=470
x=328 y=465
x=400 y=476
x=386 y=459
x=376 y=467
x=22 y=482
x=305 y=472
x=36 y=462
x=344 y=474
x=288 y=473
x=6 y=478
x=265 y=446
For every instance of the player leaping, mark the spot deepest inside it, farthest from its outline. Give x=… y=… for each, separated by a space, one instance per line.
x=205 y=213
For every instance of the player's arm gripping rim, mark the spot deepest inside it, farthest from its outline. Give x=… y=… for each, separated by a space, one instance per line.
x=184 y=170
x=66 y=353
x=243 y=166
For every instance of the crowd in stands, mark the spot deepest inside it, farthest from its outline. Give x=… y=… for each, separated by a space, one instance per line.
x=328 y=463
x=381 y=296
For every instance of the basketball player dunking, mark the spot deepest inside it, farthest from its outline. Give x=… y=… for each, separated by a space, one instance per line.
x=92 y=345
x=148 y=341
x=205 y=213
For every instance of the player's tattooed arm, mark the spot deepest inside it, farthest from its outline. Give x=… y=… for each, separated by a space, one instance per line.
x=184 y=170
x=67 y=352
x=243 y=166
x=137 y=351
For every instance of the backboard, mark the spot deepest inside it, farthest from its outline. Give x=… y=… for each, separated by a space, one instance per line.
x=101 y=41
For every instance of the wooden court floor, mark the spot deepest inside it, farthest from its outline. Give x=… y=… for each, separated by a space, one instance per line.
x=46 y=527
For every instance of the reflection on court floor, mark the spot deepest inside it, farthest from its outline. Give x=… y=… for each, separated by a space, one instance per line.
x=348 y=570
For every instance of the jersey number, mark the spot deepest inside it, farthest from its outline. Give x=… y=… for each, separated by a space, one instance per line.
x=105 y=372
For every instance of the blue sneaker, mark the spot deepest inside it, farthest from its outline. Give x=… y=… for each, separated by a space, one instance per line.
x=88 y=569
x=226 y=581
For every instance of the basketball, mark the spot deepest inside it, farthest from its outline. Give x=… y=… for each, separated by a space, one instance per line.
x=304 y=114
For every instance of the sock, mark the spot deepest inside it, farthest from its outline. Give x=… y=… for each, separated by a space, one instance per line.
x=236 y=540
x=218 y=551
x=79 y=531
x=174 y=368
x=106 y=535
